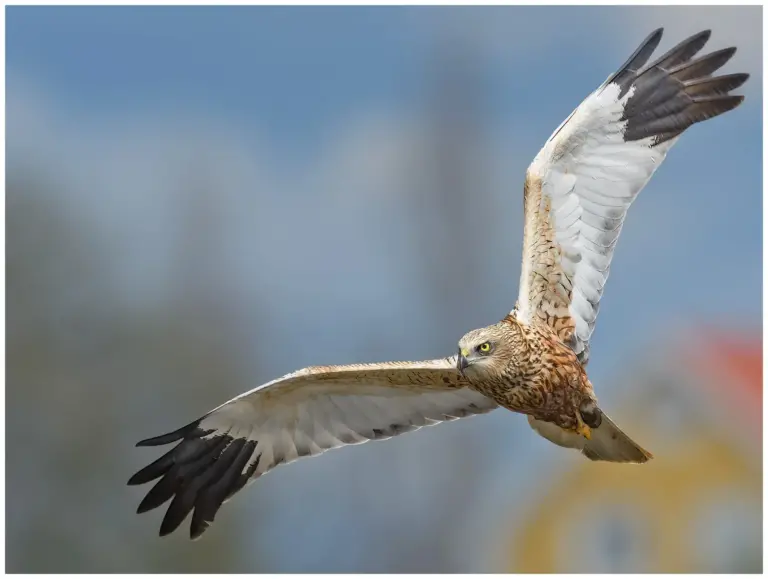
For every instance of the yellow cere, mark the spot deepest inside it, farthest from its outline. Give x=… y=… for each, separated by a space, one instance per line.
x=464 y=352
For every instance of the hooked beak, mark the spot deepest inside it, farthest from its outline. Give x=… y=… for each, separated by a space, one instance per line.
x=461 y=362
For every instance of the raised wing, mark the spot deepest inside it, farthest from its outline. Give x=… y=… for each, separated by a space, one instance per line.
x=301 y=414
x=579 y=187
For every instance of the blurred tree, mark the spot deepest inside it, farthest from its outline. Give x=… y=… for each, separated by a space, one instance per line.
x=452 y=198
x=446 y=212
x=83 y=384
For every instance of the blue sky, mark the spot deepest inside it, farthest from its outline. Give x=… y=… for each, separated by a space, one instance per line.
x=292 y=72
x=310 y=124
x=310 y=102
x=285 y=70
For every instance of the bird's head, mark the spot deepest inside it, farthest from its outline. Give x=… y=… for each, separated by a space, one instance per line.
x=486 y=352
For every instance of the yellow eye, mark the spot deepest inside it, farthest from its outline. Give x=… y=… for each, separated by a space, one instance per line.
x=485 y=347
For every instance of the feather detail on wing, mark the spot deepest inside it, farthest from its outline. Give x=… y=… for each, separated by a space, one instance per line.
x=301 y=414
x=579 y=187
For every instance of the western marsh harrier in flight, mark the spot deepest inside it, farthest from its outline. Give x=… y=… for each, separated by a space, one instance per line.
x=577 y=193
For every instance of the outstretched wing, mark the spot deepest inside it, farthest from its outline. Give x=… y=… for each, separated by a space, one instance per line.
x=579 y=187
x=301 y=414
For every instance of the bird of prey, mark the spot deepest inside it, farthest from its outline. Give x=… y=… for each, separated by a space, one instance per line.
x=576 y=195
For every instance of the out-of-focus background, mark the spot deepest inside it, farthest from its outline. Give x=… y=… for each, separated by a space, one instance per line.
x=202 y=199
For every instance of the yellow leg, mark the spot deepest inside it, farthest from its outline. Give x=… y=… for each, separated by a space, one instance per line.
x=582 y=428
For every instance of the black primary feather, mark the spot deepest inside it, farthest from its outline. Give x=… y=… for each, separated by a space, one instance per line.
x=675 y=92
x=201 y=472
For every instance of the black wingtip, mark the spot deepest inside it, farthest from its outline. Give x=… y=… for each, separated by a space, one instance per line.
x=648 y=46
x=704 y=34
x=677 y=91
x=683 y=51
x=139 y=478
x=159 y=440
x=638 y=58
x=196 y=532
x=704 y=65
x=170 y=436
x=175 y=515
x=199 y=474
x=717 y=85
x=158 y=494
x=144 y=507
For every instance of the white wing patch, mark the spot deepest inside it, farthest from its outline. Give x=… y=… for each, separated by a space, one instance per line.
x=302 y=414
x=580 y=186
x=584 y=180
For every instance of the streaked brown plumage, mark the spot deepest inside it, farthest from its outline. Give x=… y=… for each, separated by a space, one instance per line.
x=577 y=193
x=528 y=370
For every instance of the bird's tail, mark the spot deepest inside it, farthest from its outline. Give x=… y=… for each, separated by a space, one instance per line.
x=608 y=442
